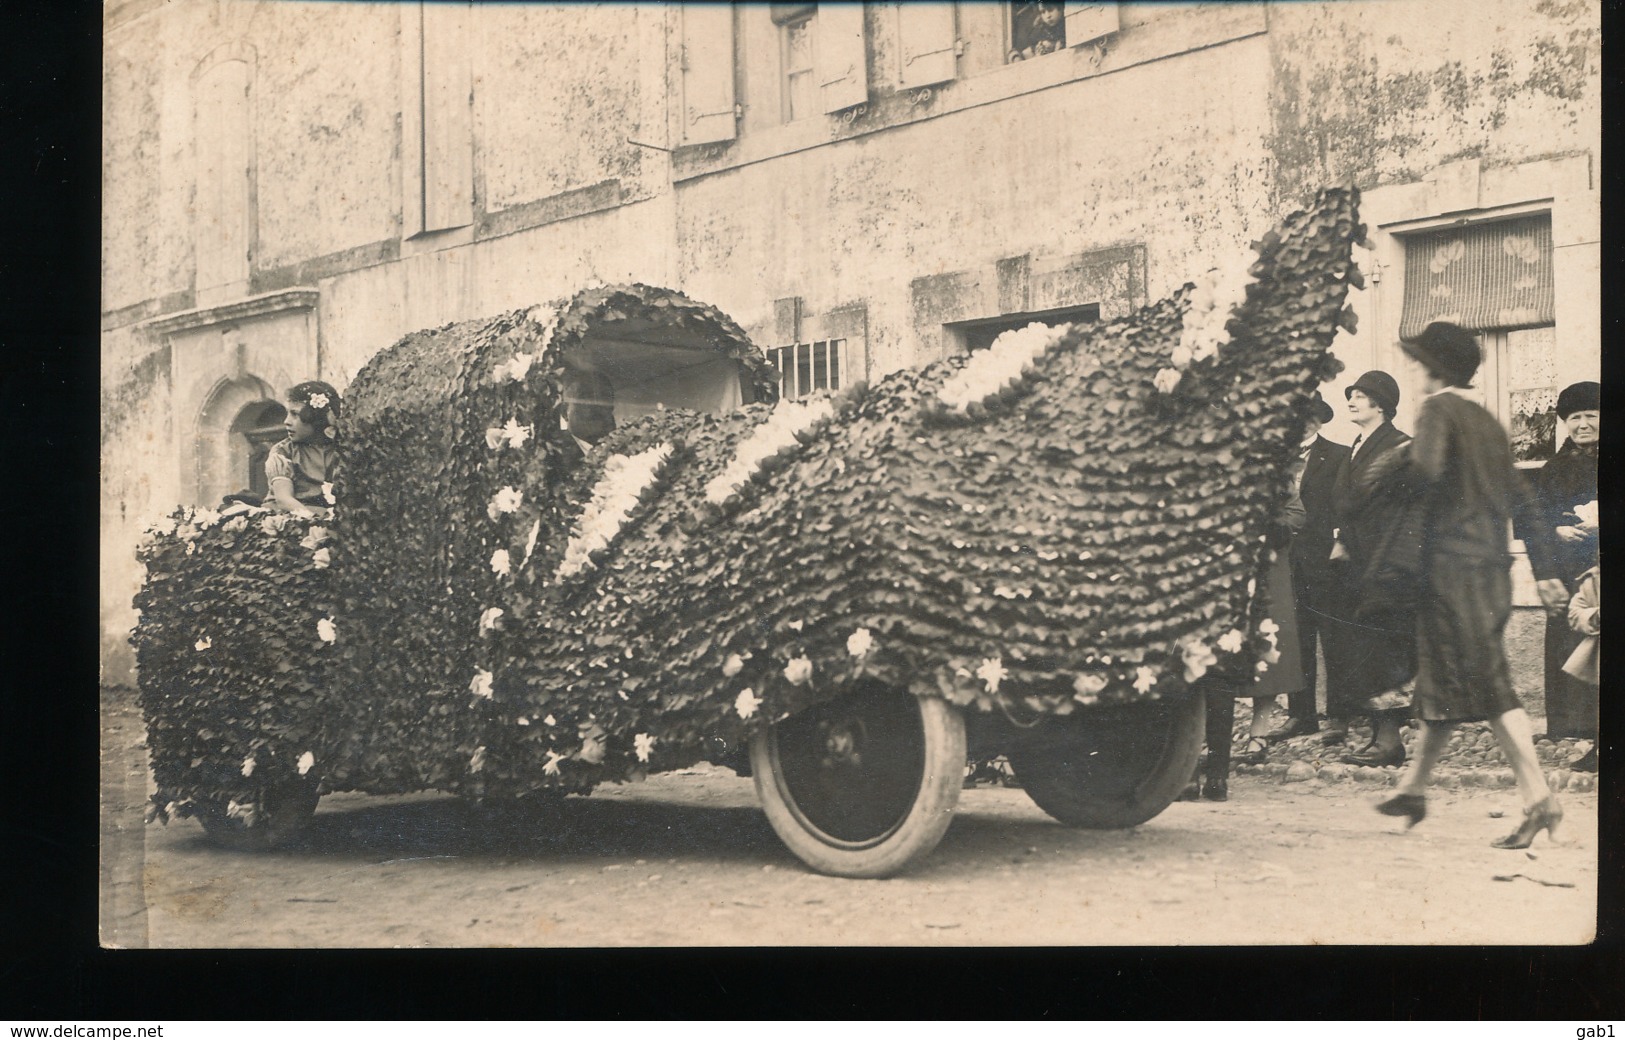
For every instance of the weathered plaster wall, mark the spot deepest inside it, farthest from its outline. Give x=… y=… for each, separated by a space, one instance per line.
x=326 y=136
x=1384 y=91
x=1132 y=157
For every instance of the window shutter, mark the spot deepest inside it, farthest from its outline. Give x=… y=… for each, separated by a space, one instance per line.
x=708 y=73
x=448 y=119
x=1492 y=276
x=1087 y=22
x=841 y=65
x=926 y=36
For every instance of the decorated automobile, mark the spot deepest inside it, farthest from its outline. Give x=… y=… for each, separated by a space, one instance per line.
x=1050 y=549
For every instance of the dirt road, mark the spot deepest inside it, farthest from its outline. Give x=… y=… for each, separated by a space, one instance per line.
x=688 y=859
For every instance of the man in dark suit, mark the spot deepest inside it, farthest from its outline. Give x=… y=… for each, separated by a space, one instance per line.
x=1319 y=461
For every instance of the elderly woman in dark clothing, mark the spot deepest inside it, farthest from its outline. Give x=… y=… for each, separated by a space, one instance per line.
x=1562 y=546
x=1370 y=629
x=1462 y=464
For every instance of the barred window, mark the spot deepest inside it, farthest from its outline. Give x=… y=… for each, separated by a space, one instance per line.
x=806 y=367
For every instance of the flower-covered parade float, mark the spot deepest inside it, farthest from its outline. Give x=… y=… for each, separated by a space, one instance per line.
x=1050 y=549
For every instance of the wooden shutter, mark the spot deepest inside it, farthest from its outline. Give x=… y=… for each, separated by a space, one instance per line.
x=840 y=64
x=926 y=42
x=1086 y=22
x=708 y=73
x=448 y=118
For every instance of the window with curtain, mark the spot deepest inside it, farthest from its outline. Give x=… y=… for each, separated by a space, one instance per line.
x=1495 y=279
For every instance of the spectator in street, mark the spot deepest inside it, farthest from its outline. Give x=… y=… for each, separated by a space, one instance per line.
x=301 y=469
x=1585 y=617
x=1314 y=587
x=1284 y=671
x=1461 y=462
x=1562 y=545
x=1368 y=624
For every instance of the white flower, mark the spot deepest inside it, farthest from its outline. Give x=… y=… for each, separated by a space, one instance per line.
x=1180 y=357
x=489 y=618
x=516 y=434
x=732 y=666
x=203 y=644
x=477 y=761
x=1272 y=655
x=1145 y=677
x=506 y=500
x=327 y=492
x=616 y=494
x=1166 y=379
x=1000 y=365
x=1087 y=684
x=235 y=524
x=515 y=368
x=643 y=744
x=191 y=547
x=1268 y=626
x=499 y=562
x=306 y=761
x=991 y=672
x=494 y=437
x=551 y=766
x=327 y=630
x=549 y=721
x=521 y=721
x=1198 y=658
x=318 y=401
x=779 y=432
x=1586 y=513
x=322 y=558
x=798 y=671
x=274 y=523
x=480 y=685
x=1232 y=641
x=248 y=766
x=746 y=703
x=1263 y=666
x=859 y=643
x=313 y=537
x=205 y=518
x=530 y=541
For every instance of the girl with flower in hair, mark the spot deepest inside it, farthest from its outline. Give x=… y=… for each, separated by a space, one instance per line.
x=300 y=470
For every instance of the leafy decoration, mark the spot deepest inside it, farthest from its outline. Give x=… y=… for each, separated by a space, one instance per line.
x=1094 y=539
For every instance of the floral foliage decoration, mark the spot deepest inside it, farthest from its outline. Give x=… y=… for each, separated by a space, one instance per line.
x=1091 y=540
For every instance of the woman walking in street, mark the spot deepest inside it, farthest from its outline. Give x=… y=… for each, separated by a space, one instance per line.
x=1562 y=545
x=1461 y=462
x=1370 y=631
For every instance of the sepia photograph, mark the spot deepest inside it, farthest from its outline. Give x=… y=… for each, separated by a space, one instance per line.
x=890 y=474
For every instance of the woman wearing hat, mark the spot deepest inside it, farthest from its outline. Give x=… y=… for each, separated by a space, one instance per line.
x=1461 y=464
x=1370 y=630
x=1562 y=547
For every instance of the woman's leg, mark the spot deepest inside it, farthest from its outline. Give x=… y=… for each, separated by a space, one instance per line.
x=1515 y=735
x=1431 y=744
x=1263 y=708
x=1386 y=730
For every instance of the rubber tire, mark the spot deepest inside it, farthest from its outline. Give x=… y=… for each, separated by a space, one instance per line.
x=1057 y=774
x=915 y=833
x=284 y=812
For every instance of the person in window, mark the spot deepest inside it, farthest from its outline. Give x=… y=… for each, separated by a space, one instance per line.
x=1039 y=29
x=1562 y=544
x=589 y=409
x=301 y=469
x=1461 y=461
x=1370 y=630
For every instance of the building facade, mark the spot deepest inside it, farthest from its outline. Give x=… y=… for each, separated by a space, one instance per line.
x=291 y=186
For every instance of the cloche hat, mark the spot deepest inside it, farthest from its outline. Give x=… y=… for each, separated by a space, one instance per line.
x=1379 y=386
x=1579 y=397
x=1446 y=350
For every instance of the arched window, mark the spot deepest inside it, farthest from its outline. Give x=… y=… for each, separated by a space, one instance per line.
x=258 y=426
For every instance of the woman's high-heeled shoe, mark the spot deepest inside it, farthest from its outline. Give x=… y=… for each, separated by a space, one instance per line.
x=1544 y=815
x=1412 y=806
